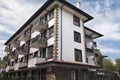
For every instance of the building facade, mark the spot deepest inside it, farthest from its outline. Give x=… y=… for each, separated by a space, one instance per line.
x=53 y=44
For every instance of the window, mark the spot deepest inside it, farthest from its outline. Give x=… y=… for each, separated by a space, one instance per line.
x=76 y=21
x=42 y=52
x=77 y=37
x=51 y=14
x=78 y=55
x=74 y=74
x=36 y=54
x=51 y=31
x=50 y=52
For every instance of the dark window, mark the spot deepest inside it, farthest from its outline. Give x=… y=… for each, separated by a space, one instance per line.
x=77 y=37
x=42 y=52
x=36 y=54
x=51 y=14
x=50 y=52
x=78 y=55
x=51 y=31
x=76 y=21
x=74 y=74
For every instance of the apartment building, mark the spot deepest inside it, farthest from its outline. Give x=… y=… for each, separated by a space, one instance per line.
x=53 y=44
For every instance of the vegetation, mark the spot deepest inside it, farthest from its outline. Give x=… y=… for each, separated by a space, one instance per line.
x=108 y=65
x=1 y=66
x=98 y=58
x=118 y=64
x=1 y=63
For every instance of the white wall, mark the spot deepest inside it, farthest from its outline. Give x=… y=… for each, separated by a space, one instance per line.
x=68 y=43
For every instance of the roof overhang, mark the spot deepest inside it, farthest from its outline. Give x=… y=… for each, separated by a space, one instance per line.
x=93 y=33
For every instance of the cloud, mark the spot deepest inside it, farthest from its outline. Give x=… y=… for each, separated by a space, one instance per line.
x=13 y=14
x=108 y=50
x=2 y=47
x=106 y=20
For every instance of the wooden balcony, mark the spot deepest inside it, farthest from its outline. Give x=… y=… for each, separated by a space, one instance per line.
x=25 y=37
x=38 y=42
x=7 y=49
x=39 y=26
x=15 y=44
x=23 y=50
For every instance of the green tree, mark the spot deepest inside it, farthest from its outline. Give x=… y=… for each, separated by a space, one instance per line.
x=1 y=63
x=1 y=66
x=98 y=57
x=118 y=64
x=108 y=65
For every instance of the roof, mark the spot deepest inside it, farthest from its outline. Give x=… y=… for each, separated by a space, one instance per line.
x=99 y=35
x=46 y=5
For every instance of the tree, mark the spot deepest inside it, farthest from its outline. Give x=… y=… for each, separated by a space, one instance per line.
x=98 y=57
x=108 y=65
x=1 y=63
x=118 y=64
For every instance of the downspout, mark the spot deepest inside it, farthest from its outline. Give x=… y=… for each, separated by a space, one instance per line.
x=61 y=33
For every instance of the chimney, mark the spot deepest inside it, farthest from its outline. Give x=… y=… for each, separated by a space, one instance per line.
x=78 y=4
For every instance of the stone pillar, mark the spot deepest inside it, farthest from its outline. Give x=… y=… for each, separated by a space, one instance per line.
x=55 y=49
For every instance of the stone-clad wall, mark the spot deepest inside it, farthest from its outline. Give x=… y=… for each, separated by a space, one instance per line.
x=62 y=73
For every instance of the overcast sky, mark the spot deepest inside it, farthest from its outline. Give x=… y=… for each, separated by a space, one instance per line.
x=106 y=13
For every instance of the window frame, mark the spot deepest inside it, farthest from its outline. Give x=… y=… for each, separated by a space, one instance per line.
x=49 y=55
x=78 y=55
x=76 y=20
x=51 y=14
x=51 y=32
x=76 y=38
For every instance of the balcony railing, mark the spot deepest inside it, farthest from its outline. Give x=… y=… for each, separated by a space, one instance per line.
x=38 y=42
x=15 y=44
x=7 y=49
x=33 y=61
x=25 y=37
x=20 y=65
x=38 y=26
x=23 y=50
x=8 y=68
x=12 y=55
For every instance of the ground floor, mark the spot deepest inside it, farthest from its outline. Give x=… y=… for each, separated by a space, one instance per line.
x=58 y=71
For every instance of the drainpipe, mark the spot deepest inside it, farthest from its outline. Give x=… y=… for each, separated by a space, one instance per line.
x=61 y=33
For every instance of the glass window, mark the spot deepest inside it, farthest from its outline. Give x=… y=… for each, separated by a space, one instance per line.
x=50 y=52
x=51 y=31
x=76 y=21
x=51 y=14
x=77 y=37
x=78 y=55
